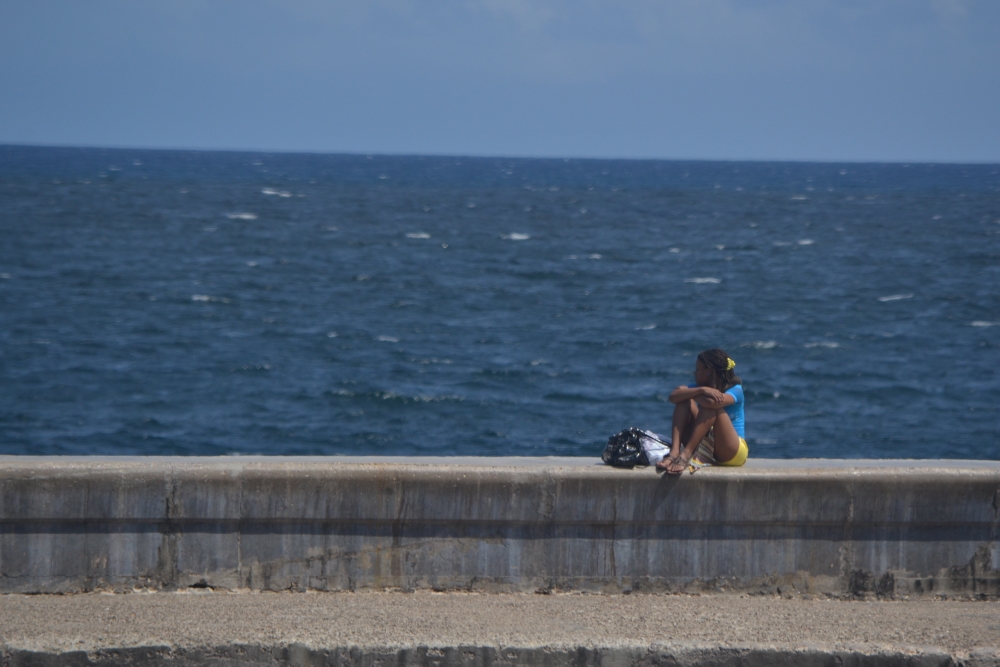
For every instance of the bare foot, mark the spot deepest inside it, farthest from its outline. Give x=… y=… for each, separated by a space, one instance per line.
x=678 y=465
x=664 y=464
x=673 y=465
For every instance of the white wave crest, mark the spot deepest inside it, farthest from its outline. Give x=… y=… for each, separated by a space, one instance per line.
x=278 y=193
x=895 y=297
x=208 y=298
x=760 y=344
x=418 y=235
x=983 y=323
x=241 y=216
x=431 y=398
x=825 y=343
x=646 y=327
x=700 y=281
x=515 y=236
x=388 y=339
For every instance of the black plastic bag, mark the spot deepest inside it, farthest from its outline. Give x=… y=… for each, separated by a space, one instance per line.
x=624 y=450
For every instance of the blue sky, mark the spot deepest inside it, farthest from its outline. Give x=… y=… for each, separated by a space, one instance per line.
x=896 y=80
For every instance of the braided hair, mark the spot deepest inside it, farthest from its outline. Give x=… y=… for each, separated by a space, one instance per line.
x=718 y=362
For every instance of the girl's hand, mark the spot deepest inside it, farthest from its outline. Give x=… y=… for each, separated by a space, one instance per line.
x=710 y=396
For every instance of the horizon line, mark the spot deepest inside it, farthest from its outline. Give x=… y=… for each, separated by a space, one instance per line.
x=488 y=156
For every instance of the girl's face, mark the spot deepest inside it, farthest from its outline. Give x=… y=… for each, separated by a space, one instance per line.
x=702 y=374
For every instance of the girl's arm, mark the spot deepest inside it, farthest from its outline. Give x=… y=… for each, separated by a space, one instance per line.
x=704 y=396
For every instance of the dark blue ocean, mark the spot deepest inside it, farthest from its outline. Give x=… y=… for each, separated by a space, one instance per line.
x=205 y=303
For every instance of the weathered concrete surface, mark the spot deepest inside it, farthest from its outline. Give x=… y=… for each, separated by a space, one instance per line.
x=844 y=528
x=425 y=628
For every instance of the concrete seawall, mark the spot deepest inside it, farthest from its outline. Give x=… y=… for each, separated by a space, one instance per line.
x=844 y=528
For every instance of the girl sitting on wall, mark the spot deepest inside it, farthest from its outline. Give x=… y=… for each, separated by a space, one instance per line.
x=708 y=418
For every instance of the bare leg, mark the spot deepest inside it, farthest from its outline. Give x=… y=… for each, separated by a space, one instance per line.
x=685 y=416
x=727 y=440
x=691 y=424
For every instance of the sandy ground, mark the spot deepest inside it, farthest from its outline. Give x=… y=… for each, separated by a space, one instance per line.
x=326 y=620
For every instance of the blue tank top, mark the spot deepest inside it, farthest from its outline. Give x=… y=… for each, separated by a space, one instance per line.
x=735 y=411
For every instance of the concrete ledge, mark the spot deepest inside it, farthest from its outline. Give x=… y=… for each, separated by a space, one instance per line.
x=836 y=527
x=301 y=655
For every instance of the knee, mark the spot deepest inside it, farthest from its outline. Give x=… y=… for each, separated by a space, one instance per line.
x=708 y=415
x=722 y=415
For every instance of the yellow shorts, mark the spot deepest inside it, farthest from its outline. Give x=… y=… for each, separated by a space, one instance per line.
x=704 y=453
x=741 y=456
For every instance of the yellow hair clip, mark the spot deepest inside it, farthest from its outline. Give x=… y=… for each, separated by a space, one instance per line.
x=730 y=364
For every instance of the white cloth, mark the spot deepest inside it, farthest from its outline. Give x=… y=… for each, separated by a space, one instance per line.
x=656 y=448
